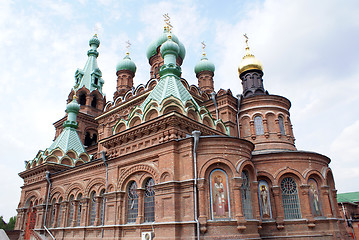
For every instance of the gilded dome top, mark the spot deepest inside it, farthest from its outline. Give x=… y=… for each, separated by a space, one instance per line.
x=126 y=64
x=249 y=61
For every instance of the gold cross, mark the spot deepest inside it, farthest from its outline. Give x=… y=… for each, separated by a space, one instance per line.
x=167 y=21
x=128 y=46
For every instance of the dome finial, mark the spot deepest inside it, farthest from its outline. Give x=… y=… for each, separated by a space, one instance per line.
x=203 y=47
x=249 y=62
x=168 y=25
x=247 y=46
x=128 y=47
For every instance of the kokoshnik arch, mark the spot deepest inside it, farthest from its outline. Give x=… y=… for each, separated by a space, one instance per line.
x=169 y=160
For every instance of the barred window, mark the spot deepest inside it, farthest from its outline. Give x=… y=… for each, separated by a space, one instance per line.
x=290 y=199
x=92 y=208
x=60 y=213
x=246 y=196
x=281 y=125
x=102 y=205
x=149 y=201
x=79 y=209
x=132 y=203
x=71 y=211
x=258 y=124
x=53 y=211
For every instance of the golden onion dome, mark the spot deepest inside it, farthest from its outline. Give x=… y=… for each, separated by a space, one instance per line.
x=249 y=61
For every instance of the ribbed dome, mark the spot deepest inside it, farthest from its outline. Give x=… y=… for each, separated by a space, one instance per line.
x=204 y=65
x=169 y=47
x=94 y=40
x=73 y=106
x=249 y=62
x=126 y=64
x=152 y=48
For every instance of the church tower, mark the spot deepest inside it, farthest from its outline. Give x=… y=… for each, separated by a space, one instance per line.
x=204 y=70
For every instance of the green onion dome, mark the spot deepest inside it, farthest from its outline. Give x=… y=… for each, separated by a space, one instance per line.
x=152 y=48
x=204 y=65
x=94 y=41
x=126 y=64
x=169 y=47
x=73 y=106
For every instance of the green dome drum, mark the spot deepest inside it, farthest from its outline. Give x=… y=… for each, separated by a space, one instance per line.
x=126 y=64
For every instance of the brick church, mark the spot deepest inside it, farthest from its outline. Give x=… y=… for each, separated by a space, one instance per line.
x=169 y=160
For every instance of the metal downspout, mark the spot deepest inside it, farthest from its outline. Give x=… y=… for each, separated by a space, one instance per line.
x=239 y=98
x=47 y=204
x=103 y=156
x=195 y=135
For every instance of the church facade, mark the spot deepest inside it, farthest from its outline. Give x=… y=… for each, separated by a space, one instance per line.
x=169 y=160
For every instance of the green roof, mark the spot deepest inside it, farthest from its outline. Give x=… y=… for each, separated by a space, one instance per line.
x=68 y=140
x=352 y=197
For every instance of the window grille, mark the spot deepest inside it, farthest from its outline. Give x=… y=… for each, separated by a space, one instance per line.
x=60 y=213
x=102 y=205
x=71 y=211
x=149 y=201
x=281 y=125
x=246 y=196
x=290 y=199
x=132 y=203
x=79 y=209
x=93 y=208
x=258 y=124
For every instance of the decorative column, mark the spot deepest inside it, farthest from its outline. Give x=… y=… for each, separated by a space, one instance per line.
x=64 y=214
x=305 y=206
x=121 y=208
x=98 y=210
x=278 y=207
x=19 y=225
x=325 y=199
x=335 y=203
x=255 y=203
x=74 y=215
x=202 y=205
x=40 y=211
x=265 y=127
x=54 y=222
x=140 y=216
x=84 y=211
x=253 y=131
x=236 y=185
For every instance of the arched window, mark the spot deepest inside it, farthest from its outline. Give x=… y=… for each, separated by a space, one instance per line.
x=71 y=211
x=290 y=199
x=82 y=99
x=149 y=201
x=94 y=102
x=59 y=213
x=53 y=211
x=258 y=125
x=92 y=208
x=264 y=199
x=246 y=196
x=281 y=125
x=132 y=203
x=220 y=204
x=102 y=205
x=79 y=209
x=314 y=198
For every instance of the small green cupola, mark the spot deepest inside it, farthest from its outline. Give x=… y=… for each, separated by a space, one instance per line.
x=204 y=65
x=126 y=64
x=204 y=70
x=90 y=76
x=72 y=110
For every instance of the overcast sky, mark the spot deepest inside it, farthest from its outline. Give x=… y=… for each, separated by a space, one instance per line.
x=309 y=51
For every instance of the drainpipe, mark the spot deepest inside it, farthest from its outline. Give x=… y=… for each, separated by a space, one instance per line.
x=47 y=204
x=239 y=98
x=348 y=222
x=195 y=135
x=103 y=157
x=213 y=96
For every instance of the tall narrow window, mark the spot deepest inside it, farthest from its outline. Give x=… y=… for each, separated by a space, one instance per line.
x=290 y=199
x=132 y=203
x=79 y=209
x=149 y=201
x=92 y=208
x=314 y=198
x=246 y=196
x=102 y=205
x=94 y=102
x=220 y=204
x=82 y=99
x=59 y=213
x=281 y=125
x=53 y=211
x=258 y=124
x=71 y=211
